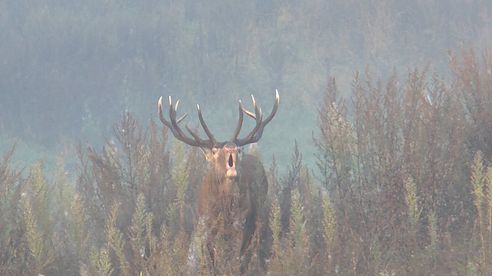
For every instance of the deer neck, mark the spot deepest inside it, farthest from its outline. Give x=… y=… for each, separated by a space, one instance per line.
x=224 y=186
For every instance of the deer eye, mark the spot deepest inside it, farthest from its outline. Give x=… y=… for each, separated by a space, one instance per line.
x=230 y=161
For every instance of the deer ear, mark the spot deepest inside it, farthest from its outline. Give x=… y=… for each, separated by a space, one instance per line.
x=205 y=152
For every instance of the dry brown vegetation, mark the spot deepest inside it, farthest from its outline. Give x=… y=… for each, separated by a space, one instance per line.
x=402 y=187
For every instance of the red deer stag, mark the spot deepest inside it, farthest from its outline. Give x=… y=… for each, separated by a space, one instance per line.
x=232 y=198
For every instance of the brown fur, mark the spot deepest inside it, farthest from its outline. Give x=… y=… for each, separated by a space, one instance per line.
x=232 y=207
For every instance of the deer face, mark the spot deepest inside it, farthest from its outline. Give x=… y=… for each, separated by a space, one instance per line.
x=224 y=160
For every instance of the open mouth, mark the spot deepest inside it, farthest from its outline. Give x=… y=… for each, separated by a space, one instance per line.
x=230 y=162
x=231 y=168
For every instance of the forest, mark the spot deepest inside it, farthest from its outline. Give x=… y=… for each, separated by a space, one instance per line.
x=379 y=161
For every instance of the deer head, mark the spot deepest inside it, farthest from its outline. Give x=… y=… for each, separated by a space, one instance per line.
x=223 y=156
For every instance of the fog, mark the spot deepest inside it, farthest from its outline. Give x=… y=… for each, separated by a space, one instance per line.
x=70 y=69
x=378 y=161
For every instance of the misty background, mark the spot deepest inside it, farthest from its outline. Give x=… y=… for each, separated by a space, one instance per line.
x=70 y=69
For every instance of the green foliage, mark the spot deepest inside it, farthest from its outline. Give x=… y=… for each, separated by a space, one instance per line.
x=275 y=265
x=478 y=178
x=115 y=240
x=297 y=245
x=329 y=222
x=180 y=175
x=478 y=181
x=433 y=232
x=180 y=180
x=412 y=201
x=12 y=254
x=39 y=250
x=395 y=162
x=37 y=221
x=141 y=220
x=77 y=228
x=100 y=263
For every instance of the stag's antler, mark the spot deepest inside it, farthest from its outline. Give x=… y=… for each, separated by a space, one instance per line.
x=195 y=140
x=255 y=134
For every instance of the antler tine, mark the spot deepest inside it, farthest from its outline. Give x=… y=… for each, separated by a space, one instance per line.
x=259 y=120
x=174 y=127
x=239 y=122
x=249 y=113
x=172 y=115
x=178 y=133
x=269 y=118
x=257 y=108
x=257 y=131
x=274 y=109
x=161 y=116
x=258 y=116
x=205 y=127
x=196 y=136
x=182 y=118
x=174 y=112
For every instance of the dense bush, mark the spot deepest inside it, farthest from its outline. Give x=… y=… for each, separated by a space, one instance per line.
x=402 y=186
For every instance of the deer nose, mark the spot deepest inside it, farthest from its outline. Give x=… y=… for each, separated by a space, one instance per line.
x=230 y=162
x=231 y=173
